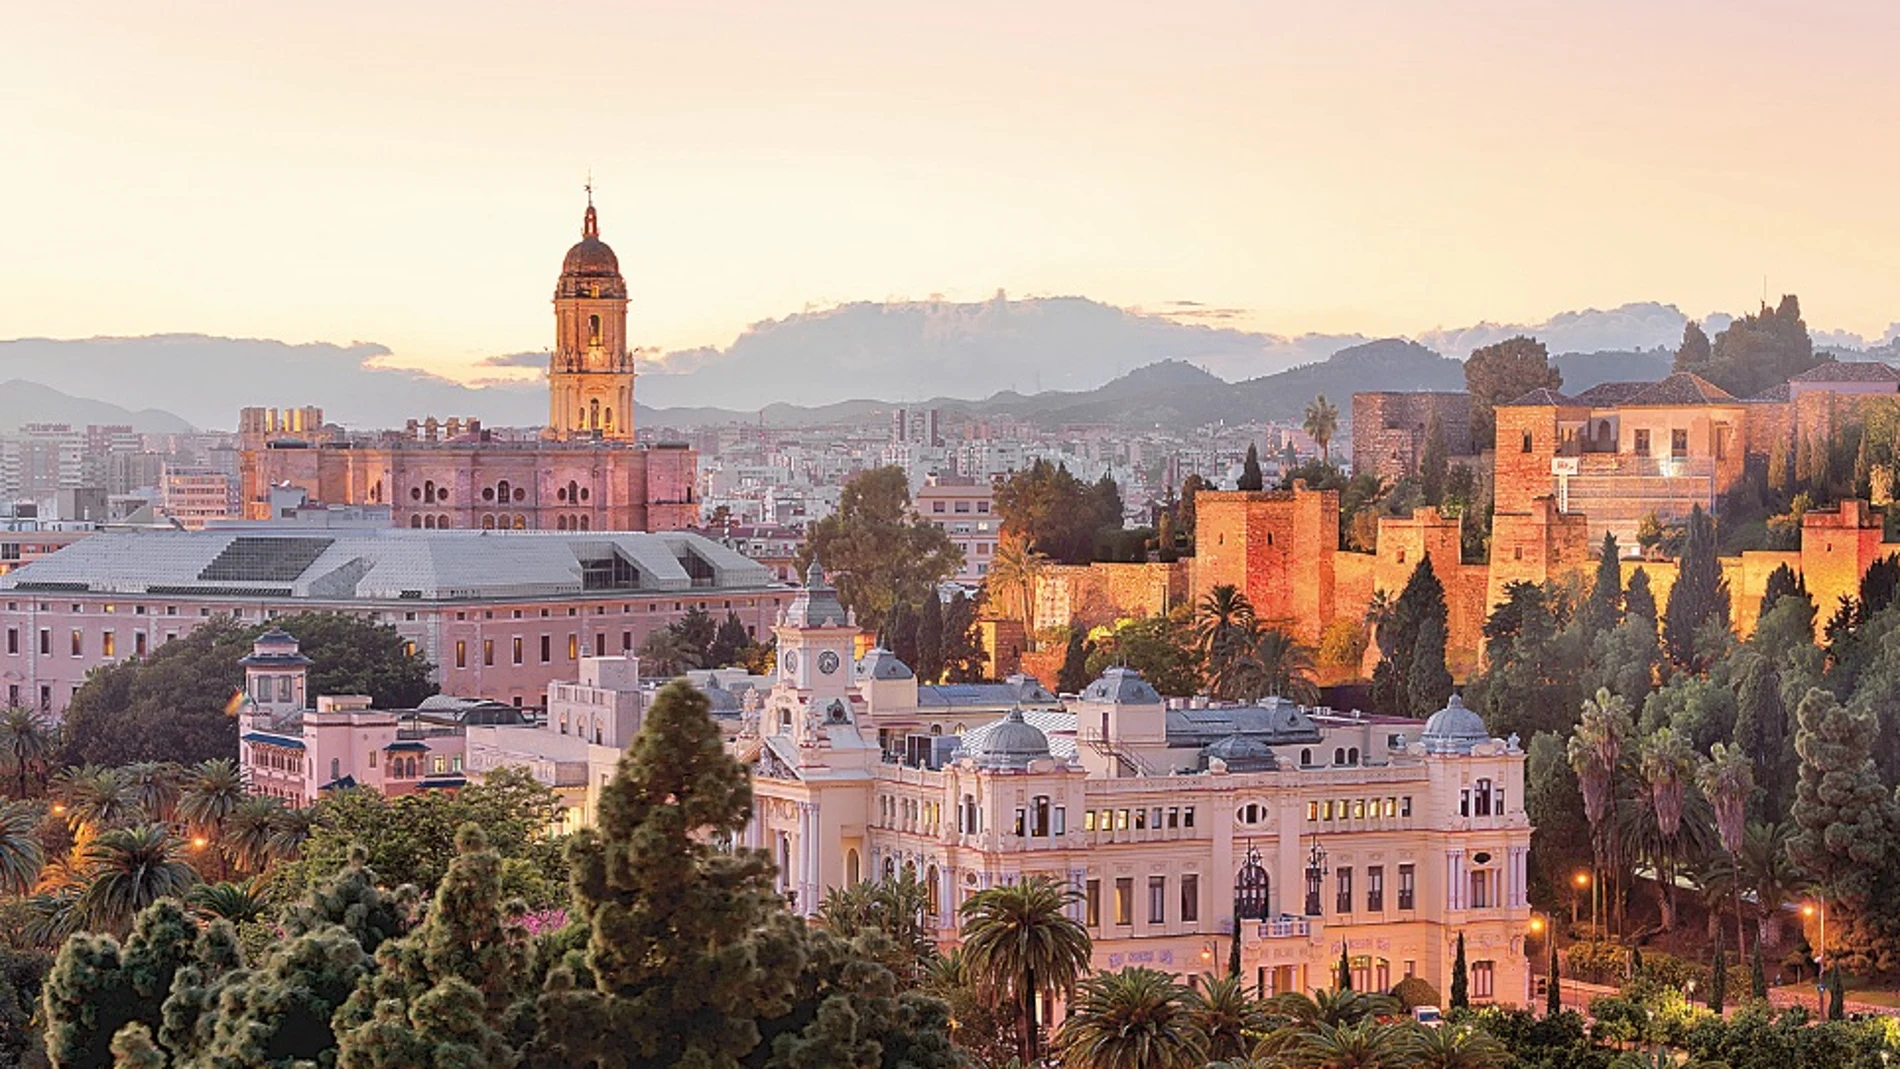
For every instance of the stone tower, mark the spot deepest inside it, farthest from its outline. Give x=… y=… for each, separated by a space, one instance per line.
x=590 y=374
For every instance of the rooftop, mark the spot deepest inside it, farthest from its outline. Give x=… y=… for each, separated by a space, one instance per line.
x=388 y=564
x=1849 y=371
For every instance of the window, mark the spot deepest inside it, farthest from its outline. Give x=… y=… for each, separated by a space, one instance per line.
x=1092 y=901
x=1405 y=806
x=108 y=644
x=1187 y=816
x=138 y=643
x=1039 y=816
x=1679 y=444
x=517 y=649
x=1022 y=820
x=573 y=647
x=13 y=641
x=1121 y=820
x=1481 y=798
x=1375 y=888
x=1343 y=900
x=547 y=648
x=1125 y=900
x=488 y=651
x=79 y=642
x=1190 y=898
x=1157 y=900
x=1060 y=825
x=1528 y=444
x=1480 y=889
x=461 y=653
x=1483 y=979
x=1408 y=887
x=46 y=641
x=1174 y=817
x=1088 y=820
x=1641 y=447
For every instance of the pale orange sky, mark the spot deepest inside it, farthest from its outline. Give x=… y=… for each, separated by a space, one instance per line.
x=409 y=173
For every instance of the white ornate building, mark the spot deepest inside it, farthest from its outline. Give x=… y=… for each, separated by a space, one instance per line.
x=1316 y=831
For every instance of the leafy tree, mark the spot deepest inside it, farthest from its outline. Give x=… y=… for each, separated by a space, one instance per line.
x=1074 y=675
x=1700 y=596
x=876 y=550
x=930 y=638
x=1560 y=833
x=1019 y=940
x=351 y=655
x=1460 y=983
x=1056 y=513
x=1320 y=424
x=1422 y=599
x=1434 y=462
x=1250 y=477
x=1718 y=977
x=1133 y=1019
x=411 y=839
x=1694 y=352
x=900 y=632
x=962 y=647
x=1154 y=648
x=1501 y=373
x=1756 y=351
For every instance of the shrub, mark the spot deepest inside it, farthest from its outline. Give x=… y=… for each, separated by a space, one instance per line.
x=1415 y=991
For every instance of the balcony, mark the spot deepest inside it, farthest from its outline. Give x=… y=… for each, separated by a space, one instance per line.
x=1287 y=928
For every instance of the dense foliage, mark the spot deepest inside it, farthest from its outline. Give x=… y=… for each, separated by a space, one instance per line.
x=875 y=550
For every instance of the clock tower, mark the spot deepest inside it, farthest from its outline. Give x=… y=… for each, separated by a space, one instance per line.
x=815 y=637
x=590 y=372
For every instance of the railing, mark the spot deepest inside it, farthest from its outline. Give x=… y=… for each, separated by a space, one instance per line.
x=1286 y=928
x=1132 y=763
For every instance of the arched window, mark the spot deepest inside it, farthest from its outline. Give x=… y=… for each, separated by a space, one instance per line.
x=428 y=523
x=521 y=522
x=574 y=488
x=593 y=330
x=1306 y=758
x=501 y=490
x=610 y=418
x=428 y=491
x=415 y=521
x=560 y=523
x=593 y=413
x=336 y=769
x=488 y=522
x=851 y=867
x=1339 y=755
x=930 y=882
x=585 y=523
x=1352 y=756
x=1252 y=889
x=890 y=868
x=442 y=522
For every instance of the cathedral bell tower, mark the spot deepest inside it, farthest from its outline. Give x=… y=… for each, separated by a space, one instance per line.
x=590 y=374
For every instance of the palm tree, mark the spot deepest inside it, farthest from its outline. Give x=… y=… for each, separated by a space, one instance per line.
x=128 y=869
x=1594 y=750
x=1770 y=876
x=1340 y=1007
x=251 y=828
x=235 y=902
x=21 y=857
x=1223 y=612
x=1019 y=941
x=1322 y=419
x=94 y=799
x=1133 y=1019
x=213 y=790
x=154 y=786
x=27 y=741
x=1273 y=662
x=1227 y=1016
x=1457 y=1047
x=1667 y=764
x=1015 y=566
x=1368 y=1044
x=294 y=828
x=1727 y=779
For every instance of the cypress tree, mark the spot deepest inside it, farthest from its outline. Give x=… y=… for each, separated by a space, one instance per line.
x=1782 y=582
x=930 y=638
x=1422 y=599
x=1836 y=995
x=900 y=631
x=1345 y=969
x=1757 y=974
x=1434 y=462
x=1074 y=675
x=1603 y=609
x=1554 y=996
x=1637 y=600
x=1428 y=685
x=1233 y=952
x=1700 y=594
x=1460 y=985
x=1250 y=476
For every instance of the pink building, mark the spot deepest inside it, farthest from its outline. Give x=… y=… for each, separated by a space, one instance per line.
x=501 y=614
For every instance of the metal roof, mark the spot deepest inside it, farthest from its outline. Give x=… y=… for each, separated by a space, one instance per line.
x=388 y=564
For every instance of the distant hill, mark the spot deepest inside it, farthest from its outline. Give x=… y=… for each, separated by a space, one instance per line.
x=23 y=402
x=1584 y=370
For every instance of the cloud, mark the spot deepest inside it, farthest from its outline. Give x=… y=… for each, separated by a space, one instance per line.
x=1642 y=325
x=534 y=360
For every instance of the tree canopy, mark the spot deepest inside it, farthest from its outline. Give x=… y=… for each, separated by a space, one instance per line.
x=1501 y=373
x=1057 y=513
x=1755 y=352
x=875 y=550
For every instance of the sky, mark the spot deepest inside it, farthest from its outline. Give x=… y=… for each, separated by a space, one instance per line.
x=411 y=172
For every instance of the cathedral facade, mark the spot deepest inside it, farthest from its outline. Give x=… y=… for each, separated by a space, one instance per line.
x=584 y=472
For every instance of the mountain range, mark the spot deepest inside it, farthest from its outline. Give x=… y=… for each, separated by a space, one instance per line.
x=1063 y=359
x=23 y=402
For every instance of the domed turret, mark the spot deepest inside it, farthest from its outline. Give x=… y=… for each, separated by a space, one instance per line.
x=1454 y=729
x=1241 y=753
x=1011 y=743
x=593 y=259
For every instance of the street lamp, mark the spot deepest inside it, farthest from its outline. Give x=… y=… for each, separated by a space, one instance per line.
x=1581 y=881
x=1820 y=953
x=1315 y=876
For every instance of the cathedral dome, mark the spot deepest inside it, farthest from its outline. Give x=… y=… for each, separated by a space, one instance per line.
x=590 y=257
x=1454 y=729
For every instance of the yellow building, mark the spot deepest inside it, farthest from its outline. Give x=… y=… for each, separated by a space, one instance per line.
x=1314 y=831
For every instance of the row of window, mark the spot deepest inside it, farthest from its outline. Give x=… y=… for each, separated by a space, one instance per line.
x=910 y=814
x=982 y=507
x=1375 y=889
x=1123 y=904
x=1358 y=808
x=108 y=642
x=1156 y=818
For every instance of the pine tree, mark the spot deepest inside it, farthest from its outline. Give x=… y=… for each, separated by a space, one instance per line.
x=1428 y=684
x=692 y=957
x=132 y=1048
x=280 y=1013
x=1434 y=462
x=443 y=991
x=1844 y=816
x=1603 y=609
x=1460 y=985
x=930 y=639
x=729 y=643
x=1780 y=477
x=188 y=1014
x=1700 y=594
x=1250 y=476
x=96 y=986
x=1554 y=994
x=1074 y=676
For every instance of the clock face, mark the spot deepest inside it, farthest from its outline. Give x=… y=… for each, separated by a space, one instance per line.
x=791 y=660
x=827 y=662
